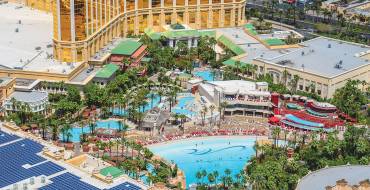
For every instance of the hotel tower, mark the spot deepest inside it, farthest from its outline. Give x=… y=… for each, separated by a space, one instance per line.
x=82 y=27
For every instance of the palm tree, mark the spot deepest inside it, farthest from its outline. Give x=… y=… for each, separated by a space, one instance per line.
x=237 y=65
x=43 y=127
x=199 y=176
x=363 y=83
x=68 y=131
x=276 y=133
x=294 y=83
x=223 y=106
x=285 y=76
x=203 y=114
x=182 y=120
x=211 y=178
x=204 y=174
x=215 y=174
x=212 y=108
x=54 y=125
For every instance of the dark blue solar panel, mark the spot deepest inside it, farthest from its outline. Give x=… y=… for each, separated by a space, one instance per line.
x=5 y=137
x=126 y=186
x=68 y=181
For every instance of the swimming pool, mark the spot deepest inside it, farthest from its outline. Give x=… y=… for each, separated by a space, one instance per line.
x=78 y=131
x=185 y=106
x=302 y=121
x=209 y=153
x=150 y=104
x=205 y=75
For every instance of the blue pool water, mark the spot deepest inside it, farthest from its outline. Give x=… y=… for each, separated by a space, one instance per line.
x=205 y=75
x=302 y=121
x=77 y=131
x=183 y=106
x=148 y=106
x=210 y=154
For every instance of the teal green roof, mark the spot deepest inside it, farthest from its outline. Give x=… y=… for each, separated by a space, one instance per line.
x=177 y=26
x=249 y=26
x=127 y=47
x=107 y=71
x=229 y=44
x=152 y=34
x=232 y=63
x=113 y=171
x=274 y=42
x=209 y=33
x=171 y=34
x=251 y=29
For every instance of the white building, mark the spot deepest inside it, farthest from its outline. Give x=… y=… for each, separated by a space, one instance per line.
x=242 y=97
x=35 y=101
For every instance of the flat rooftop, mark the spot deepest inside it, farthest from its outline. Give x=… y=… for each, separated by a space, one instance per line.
x=235 y=86
x=26 y=40
x=323 y=56
x=318 y=180
x=127 y=47
x=29 y=97
x=5 y=80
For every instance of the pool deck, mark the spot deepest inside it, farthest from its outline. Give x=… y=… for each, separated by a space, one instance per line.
x=206 y=137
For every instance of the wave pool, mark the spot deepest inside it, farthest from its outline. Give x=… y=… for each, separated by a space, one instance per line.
x=209 y=153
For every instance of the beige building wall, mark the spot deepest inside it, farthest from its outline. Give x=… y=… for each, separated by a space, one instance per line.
x=7 y=89
x=324 y=86
x=42 y=75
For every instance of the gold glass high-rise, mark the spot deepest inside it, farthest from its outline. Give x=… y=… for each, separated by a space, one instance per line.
x=82 y=27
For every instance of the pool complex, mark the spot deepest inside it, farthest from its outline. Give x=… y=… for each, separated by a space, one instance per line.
x=186 y=106
x=209 y=153
x=77 y=131
x=148 y=106
x=205 y=75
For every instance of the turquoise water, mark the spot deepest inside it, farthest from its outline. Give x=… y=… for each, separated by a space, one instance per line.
x=183 y=106
x=210 y=154
x=77 y=131
x=302 y=121
x=148 y=106
x=205 y=75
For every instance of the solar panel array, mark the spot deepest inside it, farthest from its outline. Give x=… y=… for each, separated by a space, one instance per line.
x=16 y=155
x=125 y=186
x=68 y=181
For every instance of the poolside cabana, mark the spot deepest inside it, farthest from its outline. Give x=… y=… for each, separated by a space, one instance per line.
x=295 y=97
x=286 y=96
